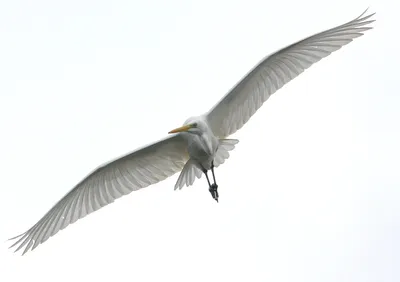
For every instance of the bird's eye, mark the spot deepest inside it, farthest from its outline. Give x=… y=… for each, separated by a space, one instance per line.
x=194 y=124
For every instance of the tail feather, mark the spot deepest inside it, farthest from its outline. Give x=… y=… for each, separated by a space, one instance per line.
x=192 y=170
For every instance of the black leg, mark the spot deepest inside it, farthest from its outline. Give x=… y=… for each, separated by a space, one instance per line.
x=212 y=187
x=208 y=180
x=212 y=171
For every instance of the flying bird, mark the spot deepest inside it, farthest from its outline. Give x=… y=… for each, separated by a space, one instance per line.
x=197 y=147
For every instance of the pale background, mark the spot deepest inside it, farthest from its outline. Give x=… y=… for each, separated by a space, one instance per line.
x=311 y=193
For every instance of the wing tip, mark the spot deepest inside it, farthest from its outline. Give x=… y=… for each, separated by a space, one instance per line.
x=21 y=241
x=363 y=15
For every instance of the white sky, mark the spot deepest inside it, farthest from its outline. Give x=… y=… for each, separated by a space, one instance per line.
x=311 y=193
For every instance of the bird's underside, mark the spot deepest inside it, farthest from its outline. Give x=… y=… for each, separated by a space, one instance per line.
x=160 y=160
x=194 y=169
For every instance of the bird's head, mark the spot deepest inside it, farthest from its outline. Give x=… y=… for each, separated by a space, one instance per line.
x=194 y=126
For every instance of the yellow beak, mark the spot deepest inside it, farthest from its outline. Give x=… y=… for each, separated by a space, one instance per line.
x=181 y=129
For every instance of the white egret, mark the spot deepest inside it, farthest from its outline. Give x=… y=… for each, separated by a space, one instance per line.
x=200 y=144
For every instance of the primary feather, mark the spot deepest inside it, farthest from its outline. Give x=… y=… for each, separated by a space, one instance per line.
x=277 y=69
x=110 y=181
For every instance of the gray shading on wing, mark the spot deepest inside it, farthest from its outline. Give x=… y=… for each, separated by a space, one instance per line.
x=277 y=69
x=110 y=181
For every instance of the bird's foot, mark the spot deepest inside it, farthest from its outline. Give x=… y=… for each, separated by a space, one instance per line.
x=214 y=191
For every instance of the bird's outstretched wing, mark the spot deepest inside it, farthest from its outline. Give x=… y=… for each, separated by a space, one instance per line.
x=110 y=181
x=277 y=69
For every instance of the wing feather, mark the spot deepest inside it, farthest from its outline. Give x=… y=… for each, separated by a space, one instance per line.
x=110 y=181
x=277 y=69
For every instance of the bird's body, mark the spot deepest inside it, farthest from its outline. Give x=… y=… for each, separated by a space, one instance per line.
x=200 y=144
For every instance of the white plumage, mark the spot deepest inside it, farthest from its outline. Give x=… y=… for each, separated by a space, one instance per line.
x=198 y=145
